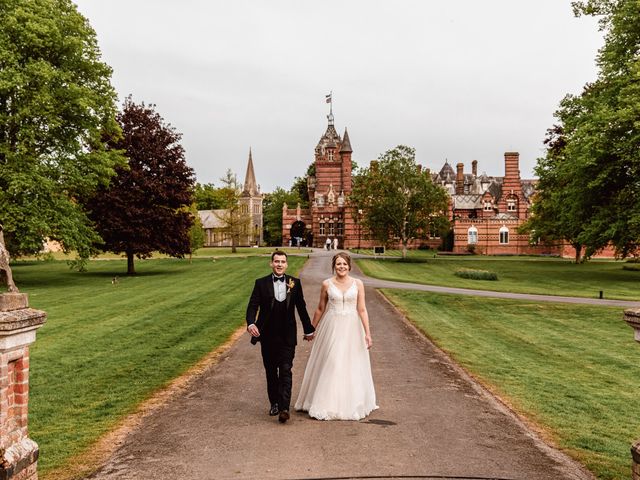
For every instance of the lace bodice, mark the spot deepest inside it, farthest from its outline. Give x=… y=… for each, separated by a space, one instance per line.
x=343 y=302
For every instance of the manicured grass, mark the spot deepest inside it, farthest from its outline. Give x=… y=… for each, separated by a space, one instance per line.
x=516 y=274
x=105 y=348
x=573 y=370
x=390 y=253
x=201 y=252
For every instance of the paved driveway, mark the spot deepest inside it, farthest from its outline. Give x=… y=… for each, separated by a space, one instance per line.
x=433 y=421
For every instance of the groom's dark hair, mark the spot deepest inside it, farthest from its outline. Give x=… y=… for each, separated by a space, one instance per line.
x=279 y=252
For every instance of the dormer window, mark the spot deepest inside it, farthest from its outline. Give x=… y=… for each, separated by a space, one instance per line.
x=488 y=206
x=511 y=205
x=331 y=155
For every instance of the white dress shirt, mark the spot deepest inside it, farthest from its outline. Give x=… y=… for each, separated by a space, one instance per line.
x=280 y=290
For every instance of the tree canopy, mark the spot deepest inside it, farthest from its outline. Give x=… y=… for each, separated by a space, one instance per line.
x=209 y=197
x=594 y=183
x=272 y=212
x=145 y=208
x=398 y=200
x=57 y=111
x=236 y=221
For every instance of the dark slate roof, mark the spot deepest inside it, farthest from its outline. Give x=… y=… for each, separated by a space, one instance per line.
x=346 y=143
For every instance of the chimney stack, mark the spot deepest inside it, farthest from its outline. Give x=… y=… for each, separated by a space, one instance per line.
x=460 y=179
x=474 y=168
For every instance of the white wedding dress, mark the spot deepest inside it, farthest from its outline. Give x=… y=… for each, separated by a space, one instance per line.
x=337 y=382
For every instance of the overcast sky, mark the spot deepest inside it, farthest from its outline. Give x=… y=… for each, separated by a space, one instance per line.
x=457 y=79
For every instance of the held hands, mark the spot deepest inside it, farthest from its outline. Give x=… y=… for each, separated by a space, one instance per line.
x=368 y=341
x=310 y=337
x=253 y=330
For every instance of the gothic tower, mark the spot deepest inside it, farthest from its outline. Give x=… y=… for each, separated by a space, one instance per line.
x=251 y=204
x=330 y=187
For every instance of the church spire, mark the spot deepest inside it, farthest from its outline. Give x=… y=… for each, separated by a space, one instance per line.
x=250 y=185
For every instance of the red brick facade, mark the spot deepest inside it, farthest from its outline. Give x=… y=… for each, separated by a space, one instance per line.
x=328 y=217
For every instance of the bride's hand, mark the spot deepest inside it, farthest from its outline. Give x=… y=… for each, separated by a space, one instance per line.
x=368 y=341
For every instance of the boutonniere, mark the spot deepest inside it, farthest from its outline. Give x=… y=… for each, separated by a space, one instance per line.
x=291 y=284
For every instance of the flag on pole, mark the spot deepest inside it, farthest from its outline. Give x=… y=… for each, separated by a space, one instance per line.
x=328 y=98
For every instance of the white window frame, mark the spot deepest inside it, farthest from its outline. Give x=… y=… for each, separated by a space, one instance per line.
x=504 y=235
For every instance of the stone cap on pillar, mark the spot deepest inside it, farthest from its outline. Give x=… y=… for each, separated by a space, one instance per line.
x=632 y=317
x=18 y=323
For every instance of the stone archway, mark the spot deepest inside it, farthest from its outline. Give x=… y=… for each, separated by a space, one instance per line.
x=297 y=232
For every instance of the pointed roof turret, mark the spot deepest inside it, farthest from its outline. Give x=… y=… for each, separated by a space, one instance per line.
x=250 y=186
x=346 y=143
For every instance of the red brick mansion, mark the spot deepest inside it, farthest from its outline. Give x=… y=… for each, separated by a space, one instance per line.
x=485 y=211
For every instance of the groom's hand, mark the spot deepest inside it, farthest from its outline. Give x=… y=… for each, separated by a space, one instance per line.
x=309 y=337
x=253 y=330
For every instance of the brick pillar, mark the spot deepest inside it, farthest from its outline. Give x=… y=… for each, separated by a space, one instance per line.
x=632 y=317
x=18 y=325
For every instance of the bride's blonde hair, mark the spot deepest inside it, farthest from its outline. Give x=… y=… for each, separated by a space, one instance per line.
x=345 y=256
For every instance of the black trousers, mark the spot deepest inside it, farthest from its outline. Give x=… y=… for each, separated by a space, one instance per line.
x=277 y=358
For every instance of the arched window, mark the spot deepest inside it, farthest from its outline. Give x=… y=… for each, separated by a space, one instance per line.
x=472 y=235
x=504 y=235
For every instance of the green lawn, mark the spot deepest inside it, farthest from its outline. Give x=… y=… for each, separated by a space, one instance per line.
x=516 y=274
x=105 y=348
x=201 y=252
x=573 y=370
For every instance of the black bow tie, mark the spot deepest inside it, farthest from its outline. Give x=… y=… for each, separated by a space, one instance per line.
x=278 y=279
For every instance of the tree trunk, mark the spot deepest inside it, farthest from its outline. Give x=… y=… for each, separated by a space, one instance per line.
x=404 y=249
x=578 y=249
x=130 y=267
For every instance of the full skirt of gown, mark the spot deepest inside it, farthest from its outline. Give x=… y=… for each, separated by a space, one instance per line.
x=337 y=383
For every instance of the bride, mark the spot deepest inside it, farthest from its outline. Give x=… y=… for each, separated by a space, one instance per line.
x=337 y=383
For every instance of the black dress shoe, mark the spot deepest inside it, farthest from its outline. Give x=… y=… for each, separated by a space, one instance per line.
x=284 y=416
x=273 y=411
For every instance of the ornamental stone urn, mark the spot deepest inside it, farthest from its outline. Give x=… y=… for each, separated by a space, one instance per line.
x=632 y=317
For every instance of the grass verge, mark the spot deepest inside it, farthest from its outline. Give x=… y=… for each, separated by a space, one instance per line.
x=572 y=370
x=106 y=348
x=517 y=274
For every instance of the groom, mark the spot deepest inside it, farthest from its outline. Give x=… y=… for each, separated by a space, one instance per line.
x=272 y=302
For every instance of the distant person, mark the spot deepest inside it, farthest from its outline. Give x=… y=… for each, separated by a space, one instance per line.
x=271 y=321
x=337 y=383
x=327 y=244
x=335 y=243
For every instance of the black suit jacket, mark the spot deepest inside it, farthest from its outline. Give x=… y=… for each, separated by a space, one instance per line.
x=261 y=305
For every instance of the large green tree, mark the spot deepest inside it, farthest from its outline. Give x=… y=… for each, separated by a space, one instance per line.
x=272 y=212
x=145 y=208
x=559 y=212
x=57 y=111
x=235 y=220
x=600 y=164
x=209 y=197
x=398 y=200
